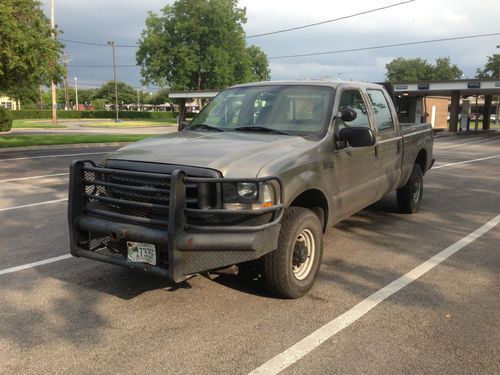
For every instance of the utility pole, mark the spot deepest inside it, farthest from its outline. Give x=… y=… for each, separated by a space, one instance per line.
x=112 y=43
x=498 y=98
x=54 y=98
x=66 y=86
x=138 y=100
x=76 y=93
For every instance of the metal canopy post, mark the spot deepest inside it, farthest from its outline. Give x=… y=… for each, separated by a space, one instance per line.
x=454 y=108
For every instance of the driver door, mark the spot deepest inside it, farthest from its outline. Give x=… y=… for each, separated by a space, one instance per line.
x=356 y=176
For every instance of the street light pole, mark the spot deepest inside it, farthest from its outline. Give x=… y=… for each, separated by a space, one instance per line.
x=76 y=93
x=497 y=115
x=54 y=98
x=112 y=43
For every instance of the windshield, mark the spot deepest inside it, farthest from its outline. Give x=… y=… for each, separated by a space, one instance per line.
x=293 y=110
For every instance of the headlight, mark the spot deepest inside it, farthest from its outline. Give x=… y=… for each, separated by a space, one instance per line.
x=247 y=190
x=250 y=195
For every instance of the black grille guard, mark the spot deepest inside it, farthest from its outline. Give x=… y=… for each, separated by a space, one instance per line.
x=212 y=246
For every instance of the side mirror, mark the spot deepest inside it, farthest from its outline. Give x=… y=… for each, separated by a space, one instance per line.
x=348 y=114
x=357 y=137
x=182 y=126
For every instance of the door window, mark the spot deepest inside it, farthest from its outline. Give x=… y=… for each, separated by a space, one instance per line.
x=354 y=100
x=381 y=109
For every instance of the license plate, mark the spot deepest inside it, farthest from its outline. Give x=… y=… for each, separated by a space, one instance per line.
x=141 y=252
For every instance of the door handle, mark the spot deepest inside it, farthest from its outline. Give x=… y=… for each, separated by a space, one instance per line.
x=376 y=151
x=399 y=147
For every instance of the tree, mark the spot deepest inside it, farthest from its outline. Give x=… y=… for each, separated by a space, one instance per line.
x=197 y=44
x=491 y=69
x=29 y=57
x=411 y=70
x=259 y=64
x=126 y=93
x=160 y=97
x=444 y=70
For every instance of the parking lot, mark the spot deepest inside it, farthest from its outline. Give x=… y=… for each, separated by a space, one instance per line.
x=66 y=315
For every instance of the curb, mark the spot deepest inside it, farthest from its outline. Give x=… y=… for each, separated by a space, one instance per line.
x=62 y=147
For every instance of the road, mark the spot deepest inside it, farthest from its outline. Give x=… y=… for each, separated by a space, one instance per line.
x=78 y=316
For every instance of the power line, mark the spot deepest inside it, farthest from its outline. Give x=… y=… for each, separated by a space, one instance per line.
x=98 y=44
x=328 y=21
x=382 y=46
x=102 y=66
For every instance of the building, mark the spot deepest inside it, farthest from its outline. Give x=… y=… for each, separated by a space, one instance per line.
x=8 y=103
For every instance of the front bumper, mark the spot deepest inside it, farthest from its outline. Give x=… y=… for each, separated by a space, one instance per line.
x=183 y=249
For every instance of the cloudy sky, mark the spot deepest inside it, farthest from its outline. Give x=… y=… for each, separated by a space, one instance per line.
x=98 y=21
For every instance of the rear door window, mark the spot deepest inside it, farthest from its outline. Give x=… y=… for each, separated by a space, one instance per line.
x=381 y=109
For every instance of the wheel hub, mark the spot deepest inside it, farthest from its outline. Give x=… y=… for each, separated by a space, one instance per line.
x=299 y=254
x=303 y=255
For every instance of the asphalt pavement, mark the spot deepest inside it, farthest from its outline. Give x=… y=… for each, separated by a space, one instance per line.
x=79 y=316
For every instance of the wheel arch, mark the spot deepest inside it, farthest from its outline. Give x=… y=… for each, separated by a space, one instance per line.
x=421 y=160
x=316 y=201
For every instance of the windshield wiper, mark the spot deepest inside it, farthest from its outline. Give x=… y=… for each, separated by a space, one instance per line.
x=261 y=128
x=205 y=127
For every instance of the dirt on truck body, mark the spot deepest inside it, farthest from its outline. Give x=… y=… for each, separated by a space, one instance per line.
x=258 y=175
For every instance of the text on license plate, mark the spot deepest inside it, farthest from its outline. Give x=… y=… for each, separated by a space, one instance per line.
x=141 y=252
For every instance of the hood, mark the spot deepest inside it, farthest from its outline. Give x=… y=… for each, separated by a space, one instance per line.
x=234 y=154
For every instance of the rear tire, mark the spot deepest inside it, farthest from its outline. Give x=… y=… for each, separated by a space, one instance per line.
x=291 y=270
x=410 y=195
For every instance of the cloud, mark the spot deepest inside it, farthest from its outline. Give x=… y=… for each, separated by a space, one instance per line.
x=123 y=21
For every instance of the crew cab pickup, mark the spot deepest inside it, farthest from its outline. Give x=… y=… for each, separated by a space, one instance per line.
x=258 y=175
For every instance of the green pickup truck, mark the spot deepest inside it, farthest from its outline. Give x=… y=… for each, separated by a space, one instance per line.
x=257 y=176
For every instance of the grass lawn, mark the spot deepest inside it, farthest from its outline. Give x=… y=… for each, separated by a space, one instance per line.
x=472 y=125
x=62 y=139
x=35 y=124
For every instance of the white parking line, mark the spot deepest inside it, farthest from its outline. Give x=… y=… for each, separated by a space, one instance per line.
x=33 y=177
x=34 y=264
x=32 y=205
x=464 y=162
x=482 y=141
x=55 y=156
x=315 y=339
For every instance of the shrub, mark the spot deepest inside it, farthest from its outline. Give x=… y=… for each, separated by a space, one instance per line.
x=47 y=114
x=5 y=120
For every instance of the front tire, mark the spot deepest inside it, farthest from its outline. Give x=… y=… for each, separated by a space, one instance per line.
x=410 y=195
x=291 y=270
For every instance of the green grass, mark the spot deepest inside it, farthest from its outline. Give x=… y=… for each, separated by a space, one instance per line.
x=63 y=139
x=45 y=124
x=472 y=125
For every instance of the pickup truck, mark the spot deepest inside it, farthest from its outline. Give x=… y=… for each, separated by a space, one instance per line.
x=257 y=176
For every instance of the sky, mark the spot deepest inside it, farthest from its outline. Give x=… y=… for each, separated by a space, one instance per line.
x=99 y=21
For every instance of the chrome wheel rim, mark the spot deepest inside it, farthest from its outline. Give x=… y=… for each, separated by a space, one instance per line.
x=303 y=254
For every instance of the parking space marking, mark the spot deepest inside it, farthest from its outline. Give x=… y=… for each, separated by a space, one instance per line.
x=35 y=264
x=482 y=141
x=464 y=162
x=34 y=177
x=315 y=339
x=55 y=156
x=33 y=204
